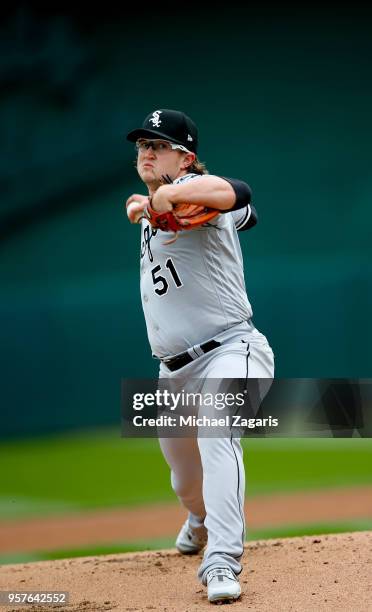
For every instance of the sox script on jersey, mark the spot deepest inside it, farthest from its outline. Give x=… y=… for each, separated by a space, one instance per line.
x=193 y=291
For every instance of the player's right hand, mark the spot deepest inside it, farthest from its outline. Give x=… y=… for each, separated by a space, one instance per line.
x=135 y=206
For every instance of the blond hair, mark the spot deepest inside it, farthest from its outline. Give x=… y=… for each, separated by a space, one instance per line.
x=198 y=167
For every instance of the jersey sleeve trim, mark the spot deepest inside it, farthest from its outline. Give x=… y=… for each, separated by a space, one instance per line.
x=249 y=220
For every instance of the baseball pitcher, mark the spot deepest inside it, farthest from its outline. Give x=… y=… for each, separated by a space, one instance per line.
x=199 y=325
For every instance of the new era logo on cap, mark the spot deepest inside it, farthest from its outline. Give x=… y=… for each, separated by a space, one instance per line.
x=168 y=124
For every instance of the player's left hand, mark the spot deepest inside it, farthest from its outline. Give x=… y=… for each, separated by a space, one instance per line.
x=161 y=200
x=181 y=217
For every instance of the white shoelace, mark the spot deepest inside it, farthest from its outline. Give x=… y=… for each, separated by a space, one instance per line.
x=221 y=571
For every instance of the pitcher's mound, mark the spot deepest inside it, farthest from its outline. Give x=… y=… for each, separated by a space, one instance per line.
x=326 y=572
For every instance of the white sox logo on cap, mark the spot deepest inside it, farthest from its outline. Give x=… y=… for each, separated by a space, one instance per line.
x=155 y=119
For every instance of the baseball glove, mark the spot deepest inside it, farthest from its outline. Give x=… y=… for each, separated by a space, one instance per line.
x=182 y=217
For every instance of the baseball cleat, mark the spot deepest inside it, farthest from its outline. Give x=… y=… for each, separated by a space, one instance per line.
x=191 y=541
x=222 y=585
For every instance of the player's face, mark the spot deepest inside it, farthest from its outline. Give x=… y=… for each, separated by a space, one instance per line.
x=159 y=157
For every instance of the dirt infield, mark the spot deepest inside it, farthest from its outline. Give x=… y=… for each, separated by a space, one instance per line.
x=159 y=521
x=317 y=573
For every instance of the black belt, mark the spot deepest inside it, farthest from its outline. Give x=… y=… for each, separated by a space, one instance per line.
x=178 y=362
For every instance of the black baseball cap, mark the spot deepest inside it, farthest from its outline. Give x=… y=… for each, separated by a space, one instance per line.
x=171 y=125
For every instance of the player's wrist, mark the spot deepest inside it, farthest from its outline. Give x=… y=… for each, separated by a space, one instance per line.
x=160 y=202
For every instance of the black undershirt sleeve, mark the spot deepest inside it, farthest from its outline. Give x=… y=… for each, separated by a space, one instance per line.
x=242 y=191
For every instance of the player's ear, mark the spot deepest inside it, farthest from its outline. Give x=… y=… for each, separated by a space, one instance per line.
x=188 y=160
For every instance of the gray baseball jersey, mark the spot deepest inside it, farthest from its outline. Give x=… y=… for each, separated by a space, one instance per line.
x=193 y=289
